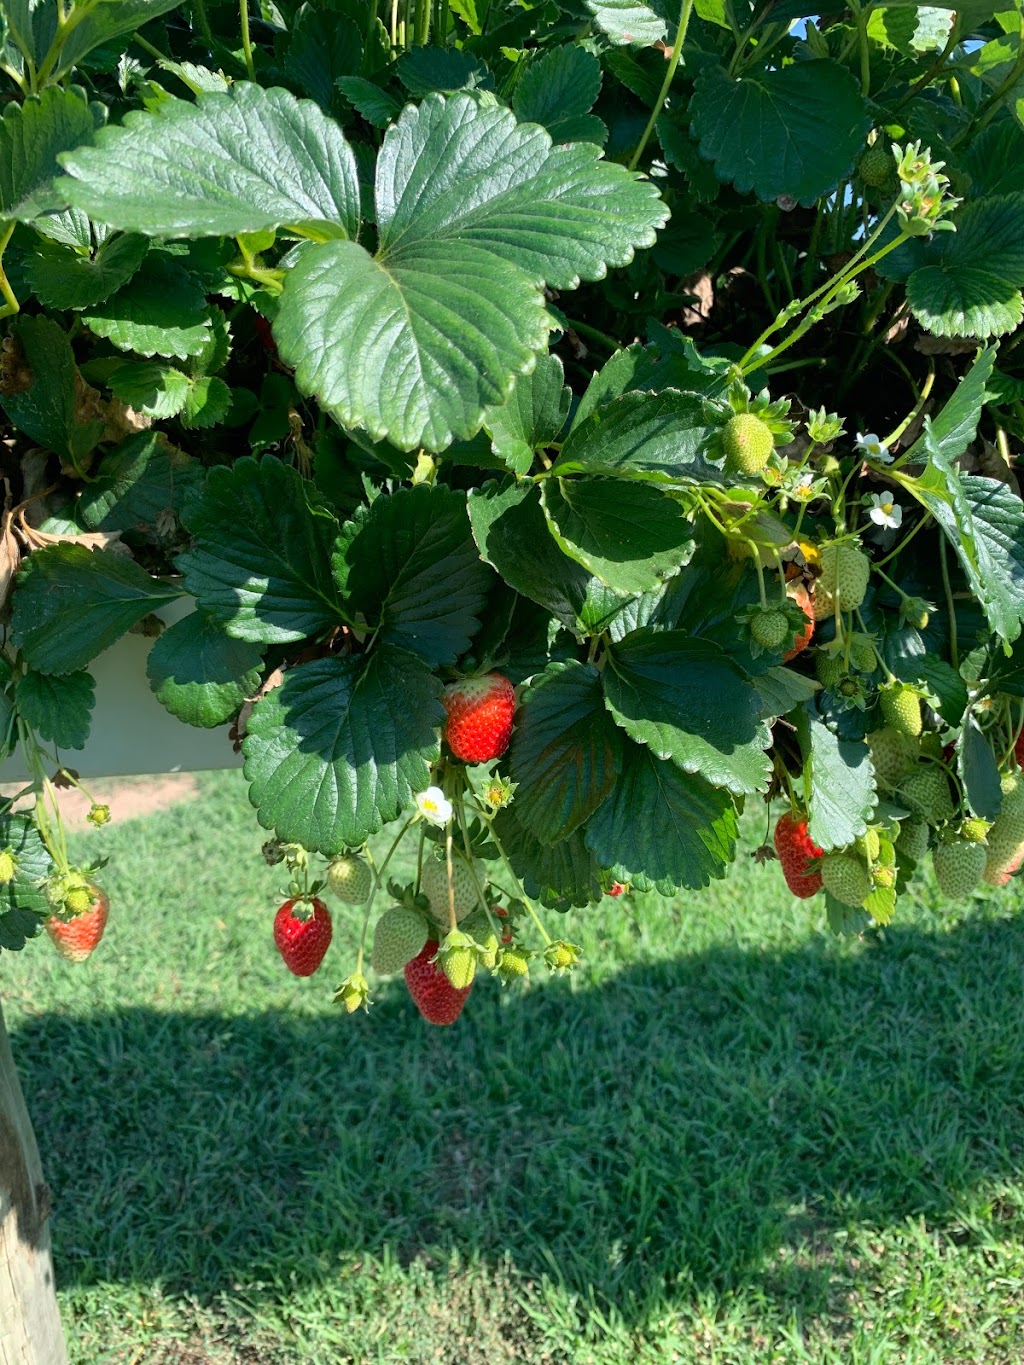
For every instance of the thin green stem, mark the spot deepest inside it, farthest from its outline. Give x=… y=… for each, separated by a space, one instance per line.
x=666 y=85
x=243 y=12
x=149 y=47
x=925 y=520
x=203 y=20
x=11 y=304
x=520 y=893
x=954 y=653
x=422 y=22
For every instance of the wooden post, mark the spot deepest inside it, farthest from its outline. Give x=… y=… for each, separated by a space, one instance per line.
x=30 y=1332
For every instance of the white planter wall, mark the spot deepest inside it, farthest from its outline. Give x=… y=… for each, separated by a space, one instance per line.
x=131 y=732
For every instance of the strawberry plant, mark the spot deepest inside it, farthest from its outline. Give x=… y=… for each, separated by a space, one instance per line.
x=568 y=425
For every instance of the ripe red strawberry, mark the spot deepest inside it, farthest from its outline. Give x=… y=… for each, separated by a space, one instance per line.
x=302 y=933
x=77 y=935
x=432 y=993
x=480 y=712
x=798 y=856
x=798 y=592
x=1018 y=750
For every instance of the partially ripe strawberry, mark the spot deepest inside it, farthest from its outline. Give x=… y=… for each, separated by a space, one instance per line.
x=480 y=713
x=748 y=443
x=432 y=993
x=302 y=934
x=616 y=889
x=1006 y=837
x=78 y=927
x=799 y=856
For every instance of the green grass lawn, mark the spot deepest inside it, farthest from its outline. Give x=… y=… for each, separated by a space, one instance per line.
x=729 y=1138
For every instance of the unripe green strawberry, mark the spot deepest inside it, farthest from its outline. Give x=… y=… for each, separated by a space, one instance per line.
x=824 y=603
x=434 y=884
x=513 y=963
x=926 y=793
x=1005 y=849
x=350 y=879
x=478 y=927
x=8 y=867
x=901 y=707
x=78 y=900
x=561 y=956
x=913 y=839
x=876 y=167
x=975 y=831
x=828 y=668
x=846 y=878
x=892 y=756
x=457 y=959
x=884 y=877
x=748 y=442
x=958 y=867
x=399 y=935
x=863 y=657
x=844 y=573
x=770 y=628
x=930 y=745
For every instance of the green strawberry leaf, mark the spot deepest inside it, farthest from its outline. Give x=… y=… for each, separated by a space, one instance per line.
x=426 y=70
x=261 y=562
x=474 y=212
x=32 y=136
x=839 y=781
x=342 y=746
x=369 y=100
x=663 y=824
x=979 y=770
x=957 y=424
x=630 y=22
x=136 y=484
x=200 y=674
x=322 y=48
x=512 y=536
x=23 y=903
x=629 y=535
x=160 y=311
x=780 y=689
x=72 y=603
x=655 y=436
x=970 y=286
x=690 y=703
x=58 y=709
x=653 y=369
x=153 y=387
x=207 y=402
x=793 y=130
x=560 y=875
x=558 y=90
x=408 y=566
x=532 y=417
x=60 y=278
x=47 y=408
x=230 y=163
x=102 y=22
x=565 y=751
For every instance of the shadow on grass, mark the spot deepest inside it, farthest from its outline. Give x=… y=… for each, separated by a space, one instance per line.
x=672 y=1129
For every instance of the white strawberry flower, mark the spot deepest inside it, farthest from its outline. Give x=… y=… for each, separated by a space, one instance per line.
x=870 y=446
x=434 y=806
x=886 y=511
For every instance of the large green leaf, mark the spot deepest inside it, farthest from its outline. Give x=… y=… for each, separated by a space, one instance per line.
x=629 y=535
x=59 y=709
x=558 y=90
x=565 y=751
x=533 y=416
x=60 y=278
x=200 y=674
x=32 y=136
x=323 y=47
x=655 y=436
x=71 y=603
x=956 y=426
x=342 y=747
x=979 y=771
x=793 y=130
x=663 y=824
x=261 y=562
x=46 y=408
x=689 y=702
x=839 y=781
x=630 y=22
x=407 y=564
x=561 y=875
x=970 y=286
x=140 y=481
x=475 y=214
x=512 y=536
x=230 y=163
x=160 y=311
x=23 y=903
